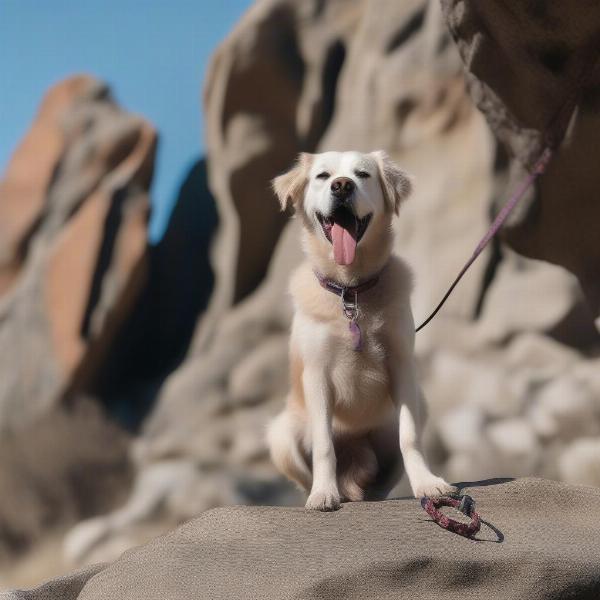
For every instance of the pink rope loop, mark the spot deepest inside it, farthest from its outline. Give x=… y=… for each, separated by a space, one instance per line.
x=432 y=506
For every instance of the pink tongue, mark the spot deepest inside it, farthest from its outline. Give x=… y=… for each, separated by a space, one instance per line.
x=344 y=245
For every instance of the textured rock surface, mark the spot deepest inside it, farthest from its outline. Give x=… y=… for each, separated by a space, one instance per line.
x=75 y=259
x=156 y=337
x=269 y=94
x=367 y=550
x=67 y=465
x=29 y=175
x=525 y=60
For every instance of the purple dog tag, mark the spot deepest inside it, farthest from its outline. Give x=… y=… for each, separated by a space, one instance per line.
x=356 y=336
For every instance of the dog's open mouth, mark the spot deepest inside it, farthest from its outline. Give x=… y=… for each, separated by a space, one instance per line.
x=344 y=230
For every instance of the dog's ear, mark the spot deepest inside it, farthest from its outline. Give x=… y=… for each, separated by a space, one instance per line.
x=395 y=183
x=289 y=187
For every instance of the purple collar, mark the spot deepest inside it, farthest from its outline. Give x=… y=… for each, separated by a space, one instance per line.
x=344 y=290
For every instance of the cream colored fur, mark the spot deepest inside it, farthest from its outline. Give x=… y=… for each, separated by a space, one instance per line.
x=352 y=419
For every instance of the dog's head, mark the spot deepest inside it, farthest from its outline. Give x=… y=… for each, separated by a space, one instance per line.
x=346 y=199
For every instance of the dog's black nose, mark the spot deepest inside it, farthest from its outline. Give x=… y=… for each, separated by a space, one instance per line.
x=342 y=187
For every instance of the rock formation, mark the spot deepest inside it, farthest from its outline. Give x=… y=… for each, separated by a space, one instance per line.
x=526 y=63
x=73 y=257
x=535 y=542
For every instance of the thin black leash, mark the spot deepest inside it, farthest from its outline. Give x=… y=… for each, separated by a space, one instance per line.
x=554 y=135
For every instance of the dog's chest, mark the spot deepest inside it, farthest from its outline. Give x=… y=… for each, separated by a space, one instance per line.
x=358 y=380
x=357 y=373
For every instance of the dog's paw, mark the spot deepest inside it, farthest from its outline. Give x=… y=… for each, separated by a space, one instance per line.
x=325 y=500
x=433 y=487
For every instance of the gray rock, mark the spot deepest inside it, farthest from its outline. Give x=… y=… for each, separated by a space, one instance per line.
x=580 y=462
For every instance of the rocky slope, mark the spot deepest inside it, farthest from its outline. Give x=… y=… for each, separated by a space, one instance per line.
x=73 y=257
x=367 y=550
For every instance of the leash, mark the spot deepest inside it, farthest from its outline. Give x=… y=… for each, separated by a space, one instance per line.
x=555 y=133
x=465 y=504
x=538 y=169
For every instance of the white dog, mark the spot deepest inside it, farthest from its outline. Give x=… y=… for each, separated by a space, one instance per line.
x=355 y=409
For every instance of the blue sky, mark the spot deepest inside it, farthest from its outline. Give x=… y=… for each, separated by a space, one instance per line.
x=153 y=53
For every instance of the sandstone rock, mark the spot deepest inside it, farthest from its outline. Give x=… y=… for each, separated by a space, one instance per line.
x=267 y=553
x=467 y=466
x=32 y=167
x=532 y=282
x=269 y=94
x=521 y=76
x=199 y=387
x=461 y=428
x=67 y=464
x=457 y=381
x=517 y=445
x=565 y=408
x=260 y=374
x=85 y=242
x=402 y=89
x=587 y=372
x=157 y=334
x=580 y=462
x=73 y=215
x=541 y=356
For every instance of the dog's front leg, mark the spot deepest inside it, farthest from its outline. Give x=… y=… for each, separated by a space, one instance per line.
x=324 y=494
x=410 y=403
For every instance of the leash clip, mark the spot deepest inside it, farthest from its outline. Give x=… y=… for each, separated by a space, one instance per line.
x=349 y=308
x=467 y=505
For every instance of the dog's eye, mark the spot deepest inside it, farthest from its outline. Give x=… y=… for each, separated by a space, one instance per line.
x=363 y=174
x=323 y=175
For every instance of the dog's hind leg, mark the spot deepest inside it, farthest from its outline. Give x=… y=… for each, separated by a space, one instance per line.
x=384 y=441
x=356 y=466
x=285 y=437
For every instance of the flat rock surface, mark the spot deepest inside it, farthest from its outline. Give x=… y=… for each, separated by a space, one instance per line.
x=538 y=540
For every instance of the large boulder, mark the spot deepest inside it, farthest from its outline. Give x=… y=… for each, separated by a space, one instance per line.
x=74 y=253
x=269 y=94
x=73 y=258
x=538 y=540
x=528 y=64
x=66 y=465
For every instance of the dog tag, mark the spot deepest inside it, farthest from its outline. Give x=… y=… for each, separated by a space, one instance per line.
x=356 y=336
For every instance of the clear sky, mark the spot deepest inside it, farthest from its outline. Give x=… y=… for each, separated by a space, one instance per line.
x=153 y=53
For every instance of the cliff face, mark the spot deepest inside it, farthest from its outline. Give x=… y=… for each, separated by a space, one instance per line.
x=528 y=65
x=73 y=254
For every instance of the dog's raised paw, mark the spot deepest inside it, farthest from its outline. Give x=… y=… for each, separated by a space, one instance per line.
x=326 y=500
x=433 y=487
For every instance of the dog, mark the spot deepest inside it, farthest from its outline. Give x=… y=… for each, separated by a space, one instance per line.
x=355 y=413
